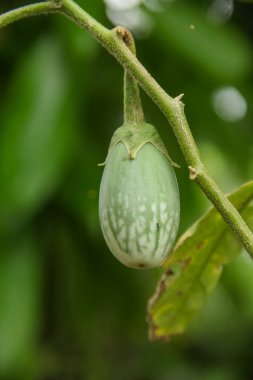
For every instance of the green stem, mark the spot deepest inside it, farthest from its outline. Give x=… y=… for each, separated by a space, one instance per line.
x=44 y=7
x=172 y=108
x=133 y=112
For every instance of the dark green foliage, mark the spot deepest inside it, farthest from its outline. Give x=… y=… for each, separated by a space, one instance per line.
x=68 y=310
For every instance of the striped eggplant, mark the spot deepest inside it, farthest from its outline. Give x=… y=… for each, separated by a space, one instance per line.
x=139 y=199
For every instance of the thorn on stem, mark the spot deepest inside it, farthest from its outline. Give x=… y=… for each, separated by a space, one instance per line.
x=179 y=97
x=193 y=173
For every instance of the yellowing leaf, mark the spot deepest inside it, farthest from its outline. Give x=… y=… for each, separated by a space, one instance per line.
x=194 y=267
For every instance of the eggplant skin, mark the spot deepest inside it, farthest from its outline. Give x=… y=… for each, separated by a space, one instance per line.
x=139 y=207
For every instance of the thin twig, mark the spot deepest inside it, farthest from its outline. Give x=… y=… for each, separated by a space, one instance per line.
x=44 y=7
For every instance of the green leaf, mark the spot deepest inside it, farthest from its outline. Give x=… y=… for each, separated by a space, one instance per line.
x=194 y=267
x=220 y=51
x=20 y=306
x=80 y=191
x=36 y=140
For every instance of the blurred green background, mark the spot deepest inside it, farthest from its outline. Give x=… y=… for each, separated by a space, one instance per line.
x=68 y=309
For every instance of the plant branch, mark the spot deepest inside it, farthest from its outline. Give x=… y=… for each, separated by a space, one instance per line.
x=172 y=108
x=44 y=7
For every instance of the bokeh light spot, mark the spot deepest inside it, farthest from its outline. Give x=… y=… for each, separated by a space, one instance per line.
x=229 y=104
x=135 y=19
x=157 y=5
x=122 y=5
x=220 y=11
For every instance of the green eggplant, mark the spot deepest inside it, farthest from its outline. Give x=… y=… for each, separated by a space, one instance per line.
x=139 y=206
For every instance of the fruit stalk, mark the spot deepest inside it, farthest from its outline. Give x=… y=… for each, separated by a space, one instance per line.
x=133 y=112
